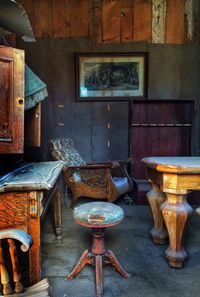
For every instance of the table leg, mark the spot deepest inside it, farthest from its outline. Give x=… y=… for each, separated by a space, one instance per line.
x=176 y=211
x=156 y=198
x=34 y=229
x=57 y=214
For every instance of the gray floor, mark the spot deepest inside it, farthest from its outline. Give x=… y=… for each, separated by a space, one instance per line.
x=151 y=275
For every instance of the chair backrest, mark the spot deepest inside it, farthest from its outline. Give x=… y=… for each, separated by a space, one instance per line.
x=63 y=149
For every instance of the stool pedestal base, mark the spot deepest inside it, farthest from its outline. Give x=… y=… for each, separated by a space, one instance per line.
x=97 y=257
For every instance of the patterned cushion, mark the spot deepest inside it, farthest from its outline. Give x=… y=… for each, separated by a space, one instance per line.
x=63 y=149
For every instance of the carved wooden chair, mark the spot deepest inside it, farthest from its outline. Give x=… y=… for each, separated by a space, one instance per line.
x=10 y=235
x=14 y=286
x=105 y=180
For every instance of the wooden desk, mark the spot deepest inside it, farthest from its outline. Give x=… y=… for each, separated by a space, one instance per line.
x=25 y=195
x=171 y=178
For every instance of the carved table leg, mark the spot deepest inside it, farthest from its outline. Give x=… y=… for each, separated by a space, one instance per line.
x=175 y=212
x=57 y=214
x=156 y=198
x=15 y=266
x=5 y=280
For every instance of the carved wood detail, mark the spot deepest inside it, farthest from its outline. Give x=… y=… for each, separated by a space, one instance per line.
x=14 y=209
x=156 y=198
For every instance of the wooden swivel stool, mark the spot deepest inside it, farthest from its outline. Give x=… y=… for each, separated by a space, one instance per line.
x=98 y=216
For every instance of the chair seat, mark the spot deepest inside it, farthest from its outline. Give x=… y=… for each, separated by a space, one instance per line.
x=121 y=184
x=98 y=214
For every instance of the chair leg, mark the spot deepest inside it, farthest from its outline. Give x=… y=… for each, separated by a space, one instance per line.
x=83 y=261
x=99 y=279
x=111 y=258
x=74 y=199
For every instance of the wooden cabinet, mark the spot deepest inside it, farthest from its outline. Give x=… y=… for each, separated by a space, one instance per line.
x=160 y=128
x=11 y=100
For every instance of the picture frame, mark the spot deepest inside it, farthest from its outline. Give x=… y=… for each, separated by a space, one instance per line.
x=108 y=76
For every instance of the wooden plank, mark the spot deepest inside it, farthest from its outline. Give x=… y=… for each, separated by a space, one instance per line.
x=175 y=22
x=79 y=19
x=127 y=20
x=67 y=17
x=58 y=18
x=27 y=5
x=111 y=21
x=95 y=23
x=142 y=20
x=43 y=18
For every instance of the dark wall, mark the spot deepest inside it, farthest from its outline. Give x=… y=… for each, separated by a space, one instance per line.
x=174 y=73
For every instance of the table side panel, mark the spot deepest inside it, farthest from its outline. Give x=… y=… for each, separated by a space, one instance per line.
x=14 y=210
x=189 y=182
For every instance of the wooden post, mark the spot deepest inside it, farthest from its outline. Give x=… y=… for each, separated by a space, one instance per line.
x=15 y=266
x=5 y=280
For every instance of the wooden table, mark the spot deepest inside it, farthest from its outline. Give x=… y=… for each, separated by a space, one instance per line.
x=171 y=178
x=25 y=195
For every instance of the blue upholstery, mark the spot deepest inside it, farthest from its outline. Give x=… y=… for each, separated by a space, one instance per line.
x=122 y=185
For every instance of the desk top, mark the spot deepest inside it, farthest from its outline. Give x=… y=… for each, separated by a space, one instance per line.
x=32 y=176
x=179 y=165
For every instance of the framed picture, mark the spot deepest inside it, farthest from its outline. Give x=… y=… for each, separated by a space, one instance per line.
x=111 y=76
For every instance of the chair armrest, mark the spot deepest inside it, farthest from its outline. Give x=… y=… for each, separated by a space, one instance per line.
x=20 y=235
x=91 y=166
x=129 y=160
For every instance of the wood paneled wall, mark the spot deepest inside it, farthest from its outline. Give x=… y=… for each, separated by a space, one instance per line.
x=116 y=21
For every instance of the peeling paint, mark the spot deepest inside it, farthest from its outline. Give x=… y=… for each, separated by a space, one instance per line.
x=158 y=21
x=189 y=12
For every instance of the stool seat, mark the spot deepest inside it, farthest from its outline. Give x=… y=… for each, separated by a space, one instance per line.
x=98 y=214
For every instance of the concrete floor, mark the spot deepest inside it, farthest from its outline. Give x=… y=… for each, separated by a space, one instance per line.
x=151 y=275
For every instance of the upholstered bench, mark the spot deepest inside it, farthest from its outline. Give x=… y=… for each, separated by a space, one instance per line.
x=25 y=195
x=98 y=216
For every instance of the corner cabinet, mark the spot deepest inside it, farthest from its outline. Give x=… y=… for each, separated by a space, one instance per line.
x=11 y=100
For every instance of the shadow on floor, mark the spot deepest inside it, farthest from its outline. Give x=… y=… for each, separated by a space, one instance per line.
x=151 y=275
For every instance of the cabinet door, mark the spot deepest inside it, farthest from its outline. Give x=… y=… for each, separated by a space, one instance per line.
x=110 y=130
x=11 y=100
